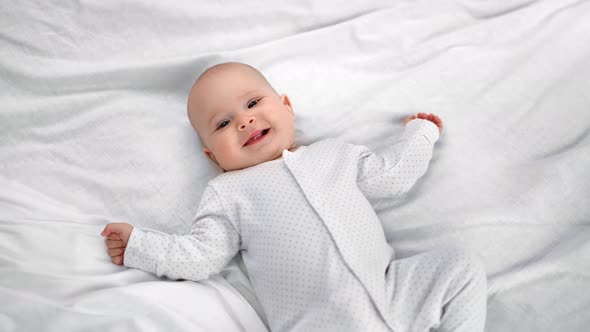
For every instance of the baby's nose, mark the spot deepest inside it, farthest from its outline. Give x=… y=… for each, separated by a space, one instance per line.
x=248 y=121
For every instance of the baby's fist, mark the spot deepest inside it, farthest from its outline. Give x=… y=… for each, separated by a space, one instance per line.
x=425 y=116
x=117 y=235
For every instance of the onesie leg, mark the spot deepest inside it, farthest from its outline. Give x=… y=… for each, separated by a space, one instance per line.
x=441 y=290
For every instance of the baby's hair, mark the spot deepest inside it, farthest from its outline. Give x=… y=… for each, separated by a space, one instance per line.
x=224 y=65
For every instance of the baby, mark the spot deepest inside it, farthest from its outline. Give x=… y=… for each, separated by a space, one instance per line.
x=303 y=219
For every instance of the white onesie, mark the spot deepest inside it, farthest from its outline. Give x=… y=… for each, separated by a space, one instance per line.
x=315 y=250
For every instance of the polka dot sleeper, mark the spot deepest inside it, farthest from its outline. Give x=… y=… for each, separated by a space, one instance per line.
x=314 y=248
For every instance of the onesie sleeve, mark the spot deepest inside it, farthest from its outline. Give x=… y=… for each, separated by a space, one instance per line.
x=212 y=242
x=395 y=171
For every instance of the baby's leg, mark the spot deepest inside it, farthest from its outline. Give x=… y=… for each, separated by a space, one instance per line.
x=441 y=290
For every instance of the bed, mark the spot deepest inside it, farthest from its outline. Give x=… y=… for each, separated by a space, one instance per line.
x=93 y=129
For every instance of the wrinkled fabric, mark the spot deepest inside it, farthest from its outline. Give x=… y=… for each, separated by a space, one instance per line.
x=93 y=129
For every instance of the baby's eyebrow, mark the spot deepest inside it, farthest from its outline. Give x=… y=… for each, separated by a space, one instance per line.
x=247 y=93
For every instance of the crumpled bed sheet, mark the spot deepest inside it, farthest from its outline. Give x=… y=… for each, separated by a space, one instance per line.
x=93 y=129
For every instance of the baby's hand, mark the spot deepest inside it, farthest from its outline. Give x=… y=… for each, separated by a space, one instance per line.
x=430 y=117
x=117 y=235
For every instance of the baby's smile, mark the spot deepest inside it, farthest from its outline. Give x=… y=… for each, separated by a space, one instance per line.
x=256 y=136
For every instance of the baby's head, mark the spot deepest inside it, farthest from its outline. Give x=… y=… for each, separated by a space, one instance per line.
x=240 y=118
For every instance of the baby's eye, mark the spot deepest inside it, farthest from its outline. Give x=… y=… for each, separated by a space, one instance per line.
x=222 y=124
x=252 y=103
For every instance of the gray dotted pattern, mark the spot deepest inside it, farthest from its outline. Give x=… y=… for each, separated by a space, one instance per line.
x=314 y=248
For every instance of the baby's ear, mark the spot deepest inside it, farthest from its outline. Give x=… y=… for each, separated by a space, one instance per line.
x=285 y=100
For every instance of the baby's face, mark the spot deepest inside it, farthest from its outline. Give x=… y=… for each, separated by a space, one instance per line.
x=241 y=120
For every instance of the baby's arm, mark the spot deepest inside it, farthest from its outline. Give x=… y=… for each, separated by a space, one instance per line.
x=395 y=171
x=211 y=244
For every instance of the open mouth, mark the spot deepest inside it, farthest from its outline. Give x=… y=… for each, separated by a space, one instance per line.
x=257 y=137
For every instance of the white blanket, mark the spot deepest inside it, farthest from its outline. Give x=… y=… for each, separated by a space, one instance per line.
x=93 y=129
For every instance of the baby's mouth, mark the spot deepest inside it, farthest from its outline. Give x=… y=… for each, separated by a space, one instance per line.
x=258 y=136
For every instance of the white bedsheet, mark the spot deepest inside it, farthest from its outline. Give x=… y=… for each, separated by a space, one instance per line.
x=93 y=129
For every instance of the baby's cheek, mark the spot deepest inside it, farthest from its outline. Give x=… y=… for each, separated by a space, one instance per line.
x=232 y=159
x=227 y=159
